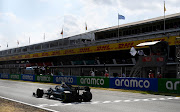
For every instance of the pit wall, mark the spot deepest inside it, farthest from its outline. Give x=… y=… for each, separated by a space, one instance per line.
x=142 y=84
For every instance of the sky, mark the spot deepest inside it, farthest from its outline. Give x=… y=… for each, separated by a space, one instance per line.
x=34 y=19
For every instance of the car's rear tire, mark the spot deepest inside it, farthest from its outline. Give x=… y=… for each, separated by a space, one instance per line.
x=87 y=89
x=66 y=98
x=39 y=93
x=87 y=96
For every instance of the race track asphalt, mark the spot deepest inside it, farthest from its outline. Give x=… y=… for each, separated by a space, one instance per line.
x=103 y=100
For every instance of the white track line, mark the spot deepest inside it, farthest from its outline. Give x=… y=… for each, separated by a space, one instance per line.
x=107 y=102
x=116 y=101
x=96 y=102
x=28 y=104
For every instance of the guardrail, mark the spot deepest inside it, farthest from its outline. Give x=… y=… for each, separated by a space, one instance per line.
x=142 y=84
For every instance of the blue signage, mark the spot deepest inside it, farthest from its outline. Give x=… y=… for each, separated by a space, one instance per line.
x=4 y=76
x=67 y=79
x=27 y=77
x=144 y=84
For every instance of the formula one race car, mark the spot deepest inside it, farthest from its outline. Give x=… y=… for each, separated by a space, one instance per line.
x=66 y=93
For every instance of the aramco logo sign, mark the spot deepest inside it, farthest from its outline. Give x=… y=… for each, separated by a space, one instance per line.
x=132 y=83
x=4 y=76
x=64 y=79
x=92 y=81
x=44 y=78
x=172 y=86
x=27 y=77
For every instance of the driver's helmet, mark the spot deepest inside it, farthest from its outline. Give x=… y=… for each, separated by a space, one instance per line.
x=63 y=85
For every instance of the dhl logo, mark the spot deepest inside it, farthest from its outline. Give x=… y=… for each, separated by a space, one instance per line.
x=19 y=57
x=27 y=56
x=56 y=53
x=103 y=48
x=82 y=50
x=126 y=45
x=35 y=55
x=45 y=54
x=13 y=57
x=71 y=51
x=177 y=42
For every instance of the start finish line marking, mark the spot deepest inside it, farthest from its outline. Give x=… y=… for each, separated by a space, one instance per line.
x=107 y=102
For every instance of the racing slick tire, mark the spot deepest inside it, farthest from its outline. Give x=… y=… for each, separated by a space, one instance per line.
x=87 y=89
x=39 y=93
x=67 y=98
x=87 y=96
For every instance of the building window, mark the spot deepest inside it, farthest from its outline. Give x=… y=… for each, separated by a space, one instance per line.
x=31 y=48
x=18 y=50
x=45 y=46
x=37 y=47
x=54 y=44
x=24 y=49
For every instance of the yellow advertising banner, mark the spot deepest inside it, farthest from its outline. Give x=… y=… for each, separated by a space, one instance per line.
x=93 y=49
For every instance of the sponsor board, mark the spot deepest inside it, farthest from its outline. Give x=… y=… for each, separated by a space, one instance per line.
x=43 y=78
x=15 y=76
x=66 y=79
x=90 y=49
x=169 y=85
x=4 y=76
x=93 y=81
x=27 y=77
x=144 y=84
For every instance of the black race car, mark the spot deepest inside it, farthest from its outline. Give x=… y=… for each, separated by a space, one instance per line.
x=66 y=93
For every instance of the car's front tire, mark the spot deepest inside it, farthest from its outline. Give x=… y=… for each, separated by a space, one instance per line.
x=66 y=97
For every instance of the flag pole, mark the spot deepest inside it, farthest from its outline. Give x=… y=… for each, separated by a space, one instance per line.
x=85 y=26
x=62 y=33
x=44 y=37
x=164 y=18
x=118 y=25
x=29 y=40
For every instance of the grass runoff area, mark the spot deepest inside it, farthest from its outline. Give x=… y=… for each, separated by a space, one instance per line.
x=10 y=106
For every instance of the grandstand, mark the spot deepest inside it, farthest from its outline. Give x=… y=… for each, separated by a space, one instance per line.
x=98 y=50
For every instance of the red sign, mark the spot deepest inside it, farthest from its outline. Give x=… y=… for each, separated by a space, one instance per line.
x=147 y=59
x=160 y=59
x=28 y=65
x=40 y=64
x=48 y=63
x=33 y=64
